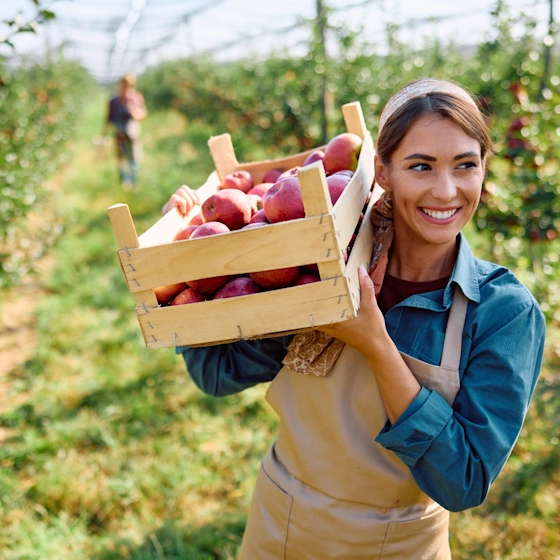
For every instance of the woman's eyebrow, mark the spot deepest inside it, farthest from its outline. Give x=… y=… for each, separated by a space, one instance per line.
x=467 y=154
x=421 y=156
x=432 y=158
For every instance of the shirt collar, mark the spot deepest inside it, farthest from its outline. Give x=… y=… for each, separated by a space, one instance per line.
x=464 y=274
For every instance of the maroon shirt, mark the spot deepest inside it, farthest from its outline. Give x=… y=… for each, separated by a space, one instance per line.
x=394 y=290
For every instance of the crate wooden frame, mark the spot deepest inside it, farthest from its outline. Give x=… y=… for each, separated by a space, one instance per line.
x=153 y=259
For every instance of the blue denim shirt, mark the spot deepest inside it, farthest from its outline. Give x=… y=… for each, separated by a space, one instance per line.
x=454 y=452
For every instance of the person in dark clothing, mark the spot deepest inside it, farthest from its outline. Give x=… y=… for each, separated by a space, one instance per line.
x=126 y=109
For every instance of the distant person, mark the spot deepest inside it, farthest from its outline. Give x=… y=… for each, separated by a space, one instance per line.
x=126 y=110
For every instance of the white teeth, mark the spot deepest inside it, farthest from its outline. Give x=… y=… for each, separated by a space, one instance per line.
x=439 y=215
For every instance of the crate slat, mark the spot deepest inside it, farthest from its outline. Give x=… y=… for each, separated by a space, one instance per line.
x=268 y=247
x=246 y=316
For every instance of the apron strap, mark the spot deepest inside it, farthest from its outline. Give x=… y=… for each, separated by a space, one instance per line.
x=451 y=355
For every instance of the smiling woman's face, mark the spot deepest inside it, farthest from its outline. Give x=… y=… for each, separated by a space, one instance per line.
x=435 y=177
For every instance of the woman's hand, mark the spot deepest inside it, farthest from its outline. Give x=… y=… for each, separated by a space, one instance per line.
x=367 y=332
x=185 y=199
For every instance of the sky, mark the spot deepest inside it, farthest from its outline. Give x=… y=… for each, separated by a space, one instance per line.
x=111 y=37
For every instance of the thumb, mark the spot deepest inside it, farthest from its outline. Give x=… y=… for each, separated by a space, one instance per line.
x=367 y=287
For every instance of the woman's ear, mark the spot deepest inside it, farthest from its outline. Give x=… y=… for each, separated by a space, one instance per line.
x=381 y=173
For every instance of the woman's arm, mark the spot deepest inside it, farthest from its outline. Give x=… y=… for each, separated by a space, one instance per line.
x=456 y=453
x=225 y=369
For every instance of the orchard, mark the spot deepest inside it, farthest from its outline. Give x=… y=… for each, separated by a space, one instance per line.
x=108 y=450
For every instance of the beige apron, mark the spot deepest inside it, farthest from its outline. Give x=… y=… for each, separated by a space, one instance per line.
x=326 y=488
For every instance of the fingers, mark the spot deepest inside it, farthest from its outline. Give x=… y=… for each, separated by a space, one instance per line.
x=185 y=199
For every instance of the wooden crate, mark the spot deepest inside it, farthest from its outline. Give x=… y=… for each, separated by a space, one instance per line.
x=153 y=259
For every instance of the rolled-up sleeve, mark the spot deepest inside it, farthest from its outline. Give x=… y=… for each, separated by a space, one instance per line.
x=225 y=369
x=455 y=453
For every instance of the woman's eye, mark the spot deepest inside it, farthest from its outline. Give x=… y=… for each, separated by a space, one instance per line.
x=420 y=167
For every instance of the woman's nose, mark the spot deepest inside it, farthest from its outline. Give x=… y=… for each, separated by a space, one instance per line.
x=445 y=188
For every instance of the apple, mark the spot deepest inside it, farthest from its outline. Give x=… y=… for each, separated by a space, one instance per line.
x=342 y=152
x=292 y=172
x=271 y=176
x=261 y=188
x=307 y=278
x=240 y=180
x=164 y=294
x=346 y=172
x=256 y=203
x=311 y=268
x=259 y=217
x=196 y=220
x=209 y=285
x=209 y=228
x=188 y=296
x=229 y=206
x=336 y=184
x=278 y=278
x=315 y=155
x=254 y=225
x=185 y=233
x=240 y=286
x=283 y=201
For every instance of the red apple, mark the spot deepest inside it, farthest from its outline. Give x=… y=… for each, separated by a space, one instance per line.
x=209 y=228
x=188 y=296
x=240 y=180
x=311 y=268
x=256 y=203
x=197 y=219
x=209 y=285
x=283 y=201
x=164 y=294
x=229 y=206
x=240 y=286
x=315 y=155
x=259 y=216
x=261 y=188
x=342 y=152
x=271 y=176
x=184 y=233
x=307 y=278
x=278 y=278
x=346 y=172
x=254 y=225
x=337 y=184
x=292 y=172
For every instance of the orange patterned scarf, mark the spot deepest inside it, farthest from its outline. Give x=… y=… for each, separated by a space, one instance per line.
x=315 y=351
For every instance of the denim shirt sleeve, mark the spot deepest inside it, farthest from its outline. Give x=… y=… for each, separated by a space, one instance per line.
x=225 y=369
x=455 y=453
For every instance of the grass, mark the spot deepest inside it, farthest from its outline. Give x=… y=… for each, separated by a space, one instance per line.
x=113 y=453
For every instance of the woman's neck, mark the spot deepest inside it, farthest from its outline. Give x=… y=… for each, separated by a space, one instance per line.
x=422 y=264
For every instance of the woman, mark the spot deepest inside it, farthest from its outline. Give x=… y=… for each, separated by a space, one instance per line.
x=422 y=407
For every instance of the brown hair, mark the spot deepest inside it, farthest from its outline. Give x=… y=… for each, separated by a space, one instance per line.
x=464 y=114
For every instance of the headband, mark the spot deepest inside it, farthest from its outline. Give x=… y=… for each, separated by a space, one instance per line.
x=418 y=89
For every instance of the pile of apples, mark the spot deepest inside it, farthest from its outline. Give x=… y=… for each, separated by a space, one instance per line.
x=240 y=204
